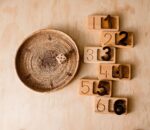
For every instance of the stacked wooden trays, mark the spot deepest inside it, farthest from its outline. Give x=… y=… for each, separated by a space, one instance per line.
x=37 y=65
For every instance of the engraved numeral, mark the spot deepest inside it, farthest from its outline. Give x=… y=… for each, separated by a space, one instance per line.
x=100 y=106
x=85 y=87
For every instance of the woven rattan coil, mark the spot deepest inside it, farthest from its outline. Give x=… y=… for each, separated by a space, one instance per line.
x=47 y=60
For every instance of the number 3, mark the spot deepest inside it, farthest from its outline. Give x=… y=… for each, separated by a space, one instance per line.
x=90 y=54
x=107 y=57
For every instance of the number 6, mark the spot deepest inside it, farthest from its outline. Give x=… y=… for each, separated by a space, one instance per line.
x=100 y=106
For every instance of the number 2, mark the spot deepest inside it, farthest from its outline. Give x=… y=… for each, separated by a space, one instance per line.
x=123 y=40
x=109 y=38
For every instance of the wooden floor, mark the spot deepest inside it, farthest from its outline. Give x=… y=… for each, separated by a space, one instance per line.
x=25 y=109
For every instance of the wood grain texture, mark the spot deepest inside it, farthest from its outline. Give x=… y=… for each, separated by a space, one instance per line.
x=24 y=109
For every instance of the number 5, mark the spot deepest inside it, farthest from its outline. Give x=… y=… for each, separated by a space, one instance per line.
x=85 y=87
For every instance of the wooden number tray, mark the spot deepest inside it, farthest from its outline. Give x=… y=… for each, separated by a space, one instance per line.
x=47 y=60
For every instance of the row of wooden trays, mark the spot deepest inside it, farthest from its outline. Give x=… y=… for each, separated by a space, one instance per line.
x=105 y=56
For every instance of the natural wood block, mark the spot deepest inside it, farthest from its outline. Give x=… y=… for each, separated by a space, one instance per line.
x=99 y=54
x=99 y=22
x=114 y=71
x=95 y=86
x=108 y=105
x=120 y=39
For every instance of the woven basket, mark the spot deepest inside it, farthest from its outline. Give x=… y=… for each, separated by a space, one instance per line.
x=37 y=65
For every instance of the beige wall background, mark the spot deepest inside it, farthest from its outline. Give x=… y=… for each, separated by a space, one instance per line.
x=25 y=109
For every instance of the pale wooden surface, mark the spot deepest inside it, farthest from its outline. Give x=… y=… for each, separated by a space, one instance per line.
x=24 y=109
